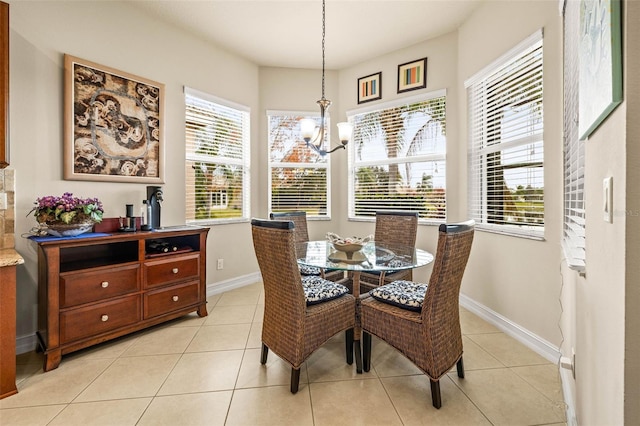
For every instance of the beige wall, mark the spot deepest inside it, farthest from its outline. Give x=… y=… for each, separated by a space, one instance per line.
x=118 y=36
x=607 y=318
x=515 y=277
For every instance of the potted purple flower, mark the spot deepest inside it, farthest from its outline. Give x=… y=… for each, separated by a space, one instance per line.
x=67 y=215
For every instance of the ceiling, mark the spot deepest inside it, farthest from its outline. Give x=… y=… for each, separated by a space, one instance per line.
x=279 y=33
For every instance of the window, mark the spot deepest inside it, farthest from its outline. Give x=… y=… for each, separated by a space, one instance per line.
x=573 y=241
x=506 y=149
x=397 y=158
x=299 y=178
x=217 y=159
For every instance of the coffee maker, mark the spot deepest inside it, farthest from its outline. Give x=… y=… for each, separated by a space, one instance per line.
x=154 y=198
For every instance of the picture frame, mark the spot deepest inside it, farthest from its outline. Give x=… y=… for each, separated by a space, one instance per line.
x=370 y=88
x=114 y=125
x=412 y=75
x=600 y=70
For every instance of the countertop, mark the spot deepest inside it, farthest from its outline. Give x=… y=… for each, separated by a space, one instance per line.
x=10 y=257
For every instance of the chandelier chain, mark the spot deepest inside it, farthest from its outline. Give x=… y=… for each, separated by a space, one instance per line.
x=323 y=32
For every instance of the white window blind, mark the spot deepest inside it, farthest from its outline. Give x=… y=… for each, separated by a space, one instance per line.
x=506 y=148
x=397 y=159
x=299 y=178
x=217 y=159
x=573 y=241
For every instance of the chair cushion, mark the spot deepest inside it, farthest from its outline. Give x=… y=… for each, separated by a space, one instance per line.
x=318 y=290
x=309 y=270
x=401 y=293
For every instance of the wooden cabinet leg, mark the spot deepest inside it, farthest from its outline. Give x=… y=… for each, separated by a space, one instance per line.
x=52 y=360
x=202 y=311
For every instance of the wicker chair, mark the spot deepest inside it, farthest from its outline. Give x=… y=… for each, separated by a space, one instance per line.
x=299 y=219
x=392 y=227
x=294 y=326
x=429 y=335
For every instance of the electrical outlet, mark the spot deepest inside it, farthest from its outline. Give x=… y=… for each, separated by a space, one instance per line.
x=3 y=200
x=220 y=264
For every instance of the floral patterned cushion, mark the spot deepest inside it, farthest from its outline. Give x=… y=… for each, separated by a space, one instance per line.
x=317 y=290
x=401 y=293
x=309 y=270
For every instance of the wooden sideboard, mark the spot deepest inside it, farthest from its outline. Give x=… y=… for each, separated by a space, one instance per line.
x=102 y=286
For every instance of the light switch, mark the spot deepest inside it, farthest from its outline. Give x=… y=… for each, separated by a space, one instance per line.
x=607 y=194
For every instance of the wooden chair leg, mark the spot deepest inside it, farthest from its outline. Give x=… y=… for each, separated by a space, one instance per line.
x=435 y=393
x=366 y=351
x=348 y=339
x=358 y=352
x=295 y=379
x=460 y=368
x=263 y=356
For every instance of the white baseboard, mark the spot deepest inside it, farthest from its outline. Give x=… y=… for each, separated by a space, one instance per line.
x=26 y=344
x=524 y=336
x=533 y=342
x=233 y=283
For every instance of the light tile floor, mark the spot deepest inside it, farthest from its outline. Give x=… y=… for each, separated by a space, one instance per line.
x=207 y=371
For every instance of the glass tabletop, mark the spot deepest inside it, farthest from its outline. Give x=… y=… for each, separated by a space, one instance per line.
x=372 y=257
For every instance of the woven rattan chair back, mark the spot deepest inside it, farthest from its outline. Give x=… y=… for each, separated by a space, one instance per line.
x=299 y=219
x=292 y=329
x=392 y=227
x=396 y=227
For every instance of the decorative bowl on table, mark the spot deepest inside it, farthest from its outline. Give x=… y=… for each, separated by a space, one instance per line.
x=348 y=245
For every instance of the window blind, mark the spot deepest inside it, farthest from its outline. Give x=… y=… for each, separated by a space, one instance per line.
x=506 y=148
x=217 y=159
x=397 y=159
x=299 y=178
x=573 y=241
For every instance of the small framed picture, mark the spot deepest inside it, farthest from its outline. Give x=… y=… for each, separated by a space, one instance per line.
x=370 y=88
x=412 y=75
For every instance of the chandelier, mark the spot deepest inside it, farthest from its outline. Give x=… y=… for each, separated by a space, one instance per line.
x=313 y=135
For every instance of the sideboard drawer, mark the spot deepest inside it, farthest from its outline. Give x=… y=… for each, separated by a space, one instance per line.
x=171 y=269
x=96 y=319
x=77 y=288
x=169 y=299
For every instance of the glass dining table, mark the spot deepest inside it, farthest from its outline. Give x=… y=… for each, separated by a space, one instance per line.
x=373 y=257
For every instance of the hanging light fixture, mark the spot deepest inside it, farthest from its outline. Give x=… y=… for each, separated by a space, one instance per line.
x=314 y=136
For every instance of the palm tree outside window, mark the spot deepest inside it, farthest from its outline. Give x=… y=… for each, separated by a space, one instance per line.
x=397 y=160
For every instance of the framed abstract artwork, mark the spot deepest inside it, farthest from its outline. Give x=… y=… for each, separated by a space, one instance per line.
x=412 y=75
x=370 y=88
x=114 y=125
x=600 y=86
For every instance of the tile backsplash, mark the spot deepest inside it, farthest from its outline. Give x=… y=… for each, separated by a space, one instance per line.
x=7 y=208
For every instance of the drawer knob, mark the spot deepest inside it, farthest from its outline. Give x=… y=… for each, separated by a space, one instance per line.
x=174 y=270
x=175 y=298
x=105 y=284
x=105 y=318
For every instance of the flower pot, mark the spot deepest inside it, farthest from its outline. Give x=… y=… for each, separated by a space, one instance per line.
x=59 y=229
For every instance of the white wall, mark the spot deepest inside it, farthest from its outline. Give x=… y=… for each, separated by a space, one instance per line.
x=606 y=316
x=119 y=36
x=515 y=277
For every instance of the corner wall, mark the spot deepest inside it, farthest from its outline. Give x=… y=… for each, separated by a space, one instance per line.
x=519 y=278
x=118 y=35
